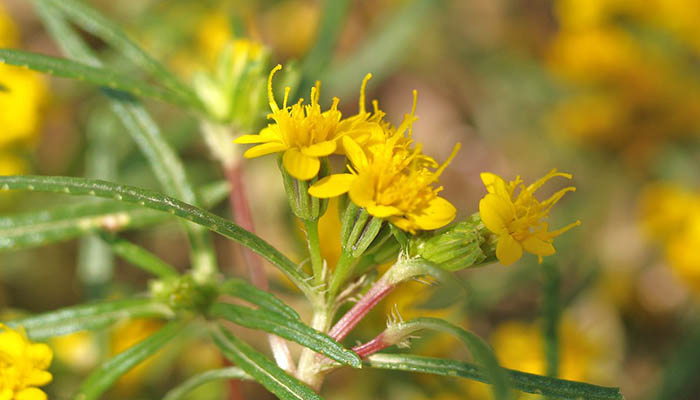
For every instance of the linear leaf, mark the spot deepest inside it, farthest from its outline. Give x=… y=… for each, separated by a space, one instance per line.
x=157 y=201
x=89 y=317
x=181 y=390
x=383 y=49
x=290 y=329
x=164 y=161
x=272 y=377
x=522 y=381
x=265 y=300
x=481 y=352
x=331 y=25
x=65 y=68
x=93 y=22
x=39 y=228
x=139 y=256
x=101 y=379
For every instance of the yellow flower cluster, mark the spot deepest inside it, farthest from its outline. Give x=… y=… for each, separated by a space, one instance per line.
x=23 y=366
x=519 y=220
x=22 y=94
x=627 y=93
x=388 y=175
x=670 y=215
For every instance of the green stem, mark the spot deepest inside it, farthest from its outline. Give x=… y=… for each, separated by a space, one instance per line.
x=342 y=270
x=314 y=244
x=551 y=316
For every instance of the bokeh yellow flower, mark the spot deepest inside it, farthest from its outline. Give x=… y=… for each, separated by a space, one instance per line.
x=519 y=220
x=22 y=96
x=126 y=335
x=670 y=216
x=302 y=133
x=78 y=350
x=23 y=366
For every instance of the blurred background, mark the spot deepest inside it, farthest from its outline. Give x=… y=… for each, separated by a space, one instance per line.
x=608 y=90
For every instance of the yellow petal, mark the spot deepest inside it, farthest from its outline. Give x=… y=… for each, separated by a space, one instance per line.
x=299 y=165
x=30 y=394
x=439 y=213
x=538 y=246
x=320 y=149
x=355 y=153
x=496 y=212
x=494 y=184
x=380 y=211
x=6 y=394
x=37 y=377
x=12 y=346
x=332 y=186
x=264 y=149
x=508 y=250
x=362 y=190
x=40 y=355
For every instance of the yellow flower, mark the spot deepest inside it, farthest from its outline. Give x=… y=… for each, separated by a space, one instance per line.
x=392 y=180
x=518 y=220
x=303 y=132
x=23 y=366
x=22 y=92
x=126 y=335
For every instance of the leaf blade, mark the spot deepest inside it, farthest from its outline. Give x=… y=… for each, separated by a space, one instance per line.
x=522 y=381
x=286 y=328
x=101 y=379
x=265 y=300
x=89 y=317
x=262 y=369
x=100 y=76
x=157 y=201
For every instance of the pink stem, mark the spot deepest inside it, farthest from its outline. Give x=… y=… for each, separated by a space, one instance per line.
x=375 y=294
x=371 y=347
x=244 y=218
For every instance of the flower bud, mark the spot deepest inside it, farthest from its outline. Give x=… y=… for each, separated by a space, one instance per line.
x=465 y=244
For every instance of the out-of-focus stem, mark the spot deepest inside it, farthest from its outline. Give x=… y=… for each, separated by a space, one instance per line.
x=244 y=218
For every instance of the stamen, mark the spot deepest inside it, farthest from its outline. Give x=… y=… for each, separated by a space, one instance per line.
x=270 y=95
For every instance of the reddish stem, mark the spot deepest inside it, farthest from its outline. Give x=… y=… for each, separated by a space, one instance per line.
x=375 y=294
x=244 y=218
x=371 y=347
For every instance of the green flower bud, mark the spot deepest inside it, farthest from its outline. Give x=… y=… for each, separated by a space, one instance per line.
x=183 y=293
x=465 y=244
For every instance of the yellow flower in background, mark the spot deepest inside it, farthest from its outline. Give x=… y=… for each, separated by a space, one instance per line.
x=519 y=219
x=126 y=335
x=23 y=366
x=22 y=95
x=394 y=181
x=670 y=215
x=303 y=133
x=78 y=350
x=213 y=34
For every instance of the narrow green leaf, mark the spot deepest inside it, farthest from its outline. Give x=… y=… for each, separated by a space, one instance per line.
x=522 y=381
x=163 y=159
x=383 y=49
x=39 y=228
x=479 y=349
x=100 y=380
x=157 y=201
x=551 y=313
x=265 y=300
x=93 y=22
x=261 y=368
x=89 y=317
x=181 y=390
x=138 y=256
x=330 y=27
x=290 y=329
x=65 y=68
